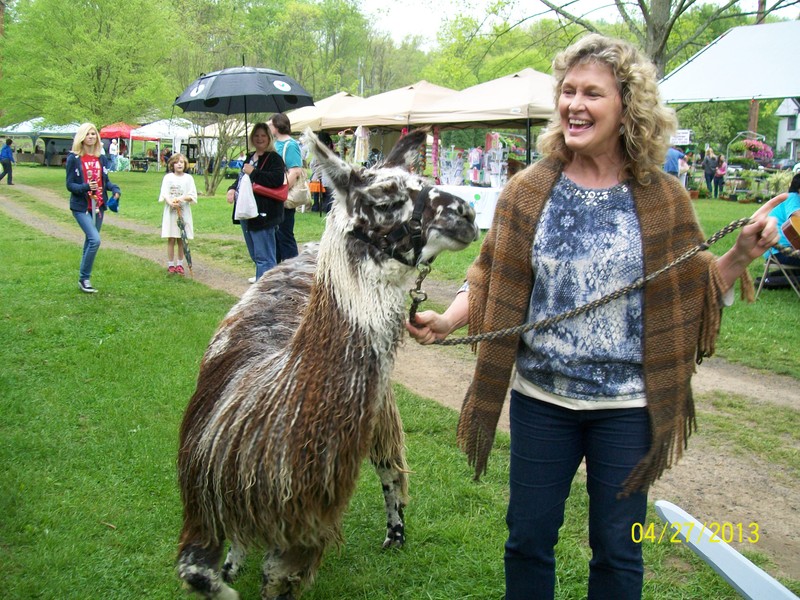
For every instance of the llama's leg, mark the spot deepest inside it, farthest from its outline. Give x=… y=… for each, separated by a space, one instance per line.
x=388 y=456
x=233 y=562
x=198 y=567
x=284 y=574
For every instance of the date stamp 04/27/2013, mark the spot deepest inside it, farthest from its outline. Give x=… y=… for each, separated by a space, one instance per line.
x=677 y=533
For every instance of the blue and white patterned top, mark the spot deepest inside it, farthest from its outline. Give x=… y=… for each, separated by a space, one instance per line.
x=587 y=244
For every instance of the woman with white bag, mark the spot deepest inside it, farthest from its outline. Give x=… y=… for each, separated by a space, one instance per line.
x=265 y=167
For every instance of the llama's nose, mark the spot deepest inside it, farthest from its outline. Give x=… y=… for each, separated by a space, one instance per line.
x=466 y=211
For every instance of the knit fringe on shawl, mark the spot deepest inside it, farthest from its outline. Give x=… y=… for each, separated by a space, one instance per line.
x=476 y=425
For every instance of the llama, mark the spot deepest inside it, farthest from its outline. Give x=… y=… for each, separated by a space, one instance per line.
x=294 y=391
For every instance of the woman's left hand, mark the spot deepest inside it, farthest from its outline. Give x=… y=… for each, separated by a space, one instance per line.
x=753 y=241
x=761 y=233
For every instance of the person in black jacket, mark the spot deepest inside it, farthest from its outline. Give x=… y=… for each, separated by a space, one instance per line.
x=264 y=166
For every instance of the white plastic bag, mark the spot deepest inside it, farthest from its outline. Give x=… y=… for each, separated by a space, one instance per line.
x=245 y=200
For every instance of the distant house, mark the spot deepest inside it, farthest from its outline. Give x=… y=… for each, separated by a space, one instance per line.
x=789 y=128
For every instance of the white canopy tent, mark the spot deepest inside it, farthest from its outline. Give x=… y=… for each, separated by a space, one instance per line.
x=312 y=116
x=30 y=133
x=176 y=130
x=391 y=109
x=167 y=129
x=751 y=62
x=517 y=100
x=37 y=128
x=509 y=100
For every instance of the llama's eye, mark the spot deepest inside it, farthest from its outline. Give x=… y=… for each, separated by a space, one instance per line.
x=390 y=207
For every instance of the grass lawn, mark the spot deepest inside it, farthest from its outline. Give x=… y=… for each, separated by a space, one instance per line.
x=94 y=387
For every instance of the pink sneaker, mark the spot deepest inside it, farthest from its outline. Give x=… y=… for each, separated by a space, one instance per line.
x=179 y=269
x=172 y=270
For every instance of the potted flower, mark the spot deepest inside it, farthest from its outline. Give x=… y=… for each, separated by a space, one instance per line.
x=691 y=185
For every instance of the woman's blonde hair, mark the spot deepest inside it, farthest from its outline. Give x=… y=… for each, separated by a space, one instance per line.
x=175 y=158
x=80 y=135
x=646 y=123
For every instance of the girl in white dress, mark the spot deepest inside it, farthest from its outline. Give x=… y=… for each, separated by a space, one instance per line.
x=178 y=193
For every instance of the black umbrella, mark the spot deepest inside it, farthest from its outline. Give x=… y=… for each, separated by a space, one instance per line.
x=184 y=240
x=239 y=90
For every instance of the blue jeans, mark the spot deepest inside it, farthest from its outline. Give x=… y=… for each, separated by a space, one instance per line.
x=548 y=443
x=261 y=247
x=7 y=170
x=92 y=243
x=719 y=184
x=709 y=182
x=287 y=245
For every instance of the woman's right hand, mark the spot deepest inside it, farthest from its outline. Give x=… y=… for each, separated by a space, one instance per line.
x=230 y=196
x=429 y=327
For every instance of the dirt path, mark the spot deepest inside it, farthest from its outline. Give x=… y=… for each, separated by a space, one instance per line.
x=711 y=483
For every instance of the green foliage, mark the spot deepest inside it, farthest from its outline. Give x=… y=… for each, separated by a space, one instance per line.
x=80 y=61
x=742 y=161
x=779 y=181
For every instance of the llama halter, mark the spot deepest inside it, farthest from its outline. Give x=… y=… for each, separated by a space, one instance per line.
x=418 y=296
x=412 y=229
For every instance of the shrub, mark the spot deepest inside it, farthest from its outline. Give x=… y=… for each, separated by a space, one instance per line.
x=779 y=181
x=743 y=161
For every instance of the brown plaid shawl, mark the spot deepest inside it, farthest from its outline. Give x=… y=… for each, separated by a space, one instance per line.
x=681 y=313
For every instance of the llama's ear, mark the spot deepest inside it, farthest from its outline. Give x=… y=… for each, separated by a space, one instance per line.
x=405 y=153
x=339 y=172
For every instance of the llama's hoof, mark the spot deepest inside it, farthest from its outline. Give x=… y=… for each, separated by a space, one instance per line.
x=223 y=593
x=394 y=540
x=229 y=572
x=227 y=593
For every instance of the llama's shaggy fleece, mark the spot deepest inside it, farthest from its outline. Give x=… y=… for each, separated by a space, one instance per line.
x=294 y=390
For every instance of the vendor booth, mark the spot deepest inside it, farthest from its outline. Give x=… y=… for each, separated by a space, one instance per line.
x=53 y=141
x=172 y=132
x=519 y=100
x=516 y=101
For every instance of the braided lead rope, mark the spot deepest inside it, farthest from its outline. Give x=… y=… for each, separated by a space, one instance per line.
x=639 y=283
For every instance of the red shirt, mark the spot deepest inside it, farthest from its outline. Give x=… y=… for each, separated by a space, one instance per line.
x=93 y=171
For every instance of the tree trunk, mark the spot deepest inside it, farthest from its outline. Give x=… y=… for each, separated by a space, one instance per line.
x=752 y=121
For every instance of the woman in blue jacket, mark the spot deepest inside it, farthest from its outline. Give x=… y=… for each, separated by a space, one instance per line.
x=7 y=159
x=88 y=183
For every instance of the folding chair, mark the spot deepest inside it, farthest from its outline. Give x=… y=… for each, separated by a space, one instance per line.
x=749 y=581
x=792 y=274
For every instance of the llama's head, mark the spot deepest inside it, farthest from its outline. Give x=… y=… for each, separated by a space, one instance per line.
x=392 y=212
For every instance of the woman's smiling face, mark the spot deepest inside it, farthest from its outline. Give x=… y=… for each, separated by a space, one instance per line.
x=590 y=107
x=260 y=139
